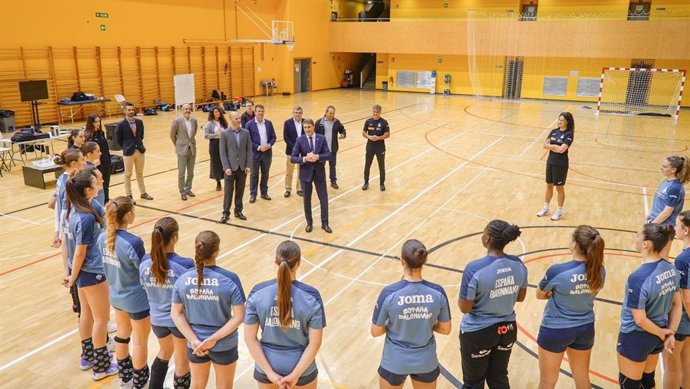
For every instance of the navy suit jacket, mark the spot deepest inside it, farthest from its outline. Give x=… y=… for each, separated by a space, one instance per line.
x=256 y=139
x=126 y=139
x=290 y=135
x=311 y=170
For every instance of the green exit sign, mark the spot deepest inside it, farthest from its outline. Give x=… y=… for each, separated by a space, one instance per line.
x=102 y=14
x=102 y=27
x=439 y=60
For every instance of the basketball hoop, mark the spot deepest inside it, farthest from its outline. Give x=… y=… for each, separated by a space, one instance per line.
x=290 y=45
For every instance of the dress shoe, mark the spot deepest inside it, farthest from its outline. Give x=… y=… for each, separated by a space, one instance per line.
x=146 y=196
x=240 y=216
x=183 y=196
x=224 y=219
x=382 y=187
x=365 y=186
x=265 y=197
x=218 y=187
x=190 y=194
x=334 y=185
x=132 y=198
x=299 y=193
x=287 y=193
x=308 y=228
x=252 y=199
x=326 y=228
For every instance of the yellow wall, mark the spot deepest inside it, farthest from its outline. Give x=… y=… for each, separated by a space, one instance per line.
x=455 y=9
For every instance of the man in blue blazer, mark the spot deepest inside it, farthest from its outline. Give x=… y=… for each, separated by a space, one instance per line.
x=129 y=135
x=311 y=152
x=263 y=138
x=292 y=129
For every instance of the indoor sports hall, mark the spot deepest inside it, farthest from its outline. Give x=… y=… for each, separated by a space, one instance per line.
x=470 y=89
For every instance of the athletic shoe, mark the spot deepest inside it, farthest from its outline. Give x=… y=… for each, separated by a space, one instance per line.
x=85 y=364
x=127 y=385
x=544 y=211
x=112 y=327
x=111 y=370
x=557 y=216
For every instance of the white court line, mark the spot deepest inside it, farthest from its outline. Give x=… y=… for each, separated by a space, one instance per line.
x=540 y=137
x=20 y=219
x=418 y=226
x=390 y=215
x=645 y=201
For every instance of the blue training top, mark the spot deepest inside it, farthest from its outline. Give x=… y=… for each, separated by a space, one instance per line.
x=683 y=267
x=672 y=194
x=493 y=284
x=651 y=287
x=284 y=347
x=160 y=296
x=409 y=311
x=571 y=304
x=122 y=271
x=210 y=308
x=83 y=229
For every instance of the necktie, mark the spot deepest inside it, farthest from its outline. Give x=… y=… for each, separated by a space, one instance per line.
x=311 y=145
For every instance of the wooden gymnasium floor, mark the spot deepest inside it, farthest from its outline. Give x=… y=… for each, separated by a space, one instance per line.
x=453 y=164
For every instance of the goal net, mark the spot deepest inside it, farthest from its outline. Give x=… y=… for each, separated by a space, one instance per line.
x=641 y=91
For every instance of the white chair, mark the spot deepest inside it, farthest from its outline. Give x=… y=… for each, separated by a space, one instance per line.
x=5 y=154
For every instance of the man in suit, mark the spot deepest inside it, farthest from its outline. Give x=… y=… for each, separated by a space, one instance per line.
x=248 y=114
x=292 y=129
x=263 y=138
x=129 y=135
x=311 y=153
x=236 y=157
x=182 y=134
x=332 y=130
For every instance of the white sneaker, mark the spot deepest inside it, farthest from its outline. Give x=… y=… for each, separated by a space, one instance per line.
x=544 y=211
x=112 y=327
x=557 y=216
x=110 y=345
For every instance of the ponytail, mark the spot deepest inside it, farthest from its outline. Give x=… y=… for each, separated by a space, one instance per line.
x=115 y=212
x=206 y=245
x=414 y=254
x=658 y=234
x=75 y=190
x=288 y=255
x=501 y=233
x=682 y=166
x=164 y=231
x=590 y=243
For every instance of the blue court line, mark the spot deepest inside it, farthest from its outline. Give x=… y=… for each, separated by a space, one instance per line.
x=450 y=377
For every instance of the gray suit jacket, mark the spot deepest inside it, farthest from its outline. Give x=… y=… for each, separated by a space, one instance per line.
x=232 y=155
x=184 y=144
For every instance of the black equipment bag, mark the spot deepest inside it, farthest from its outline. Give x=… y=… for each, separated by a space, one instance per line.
x=117 y=164
x=79 y=96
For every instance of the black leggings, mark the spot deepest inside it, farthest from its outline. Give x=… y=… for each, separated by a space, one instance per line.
x=485 y=355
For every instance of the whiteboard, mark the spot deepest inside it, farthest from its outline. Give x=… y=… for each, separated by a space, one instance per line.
x=184 y=89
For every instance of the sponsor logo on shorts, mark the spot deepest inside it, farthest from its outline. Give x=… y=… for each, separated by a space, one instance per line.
x=99 y=277
x=481 y=354
x=507 y=347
